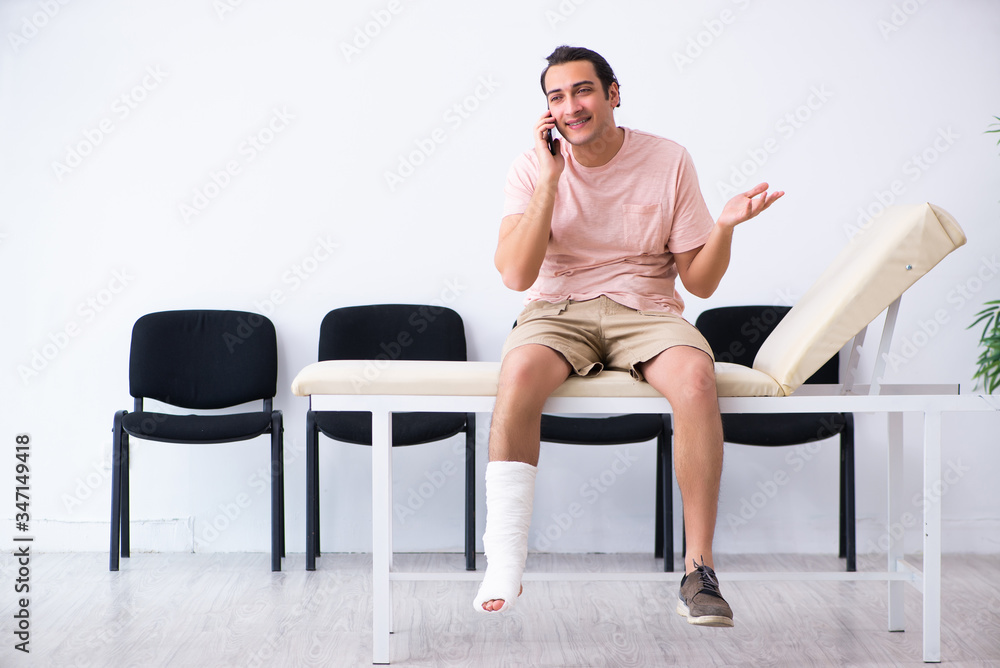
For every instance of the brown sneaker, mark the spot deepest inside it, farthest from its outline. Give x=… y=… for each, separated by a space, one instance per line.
x=700 y=600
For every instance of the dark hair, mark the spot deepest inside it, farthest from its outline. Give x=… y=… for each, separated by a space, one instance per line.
x=568 y=54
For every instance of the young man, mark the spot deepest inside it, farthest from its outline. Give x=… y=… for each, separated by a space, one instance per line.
x=596 y=233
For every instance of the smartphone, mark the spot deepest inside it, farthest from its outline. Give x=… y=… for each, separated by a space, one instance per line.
x=552 y=145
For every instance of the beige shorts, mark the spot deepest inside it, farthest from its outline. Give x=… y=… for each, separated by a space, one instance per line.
x=600 y=333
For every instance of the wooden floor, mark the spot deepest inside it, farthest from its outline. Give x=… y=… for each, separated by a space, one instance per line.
x=230 y=610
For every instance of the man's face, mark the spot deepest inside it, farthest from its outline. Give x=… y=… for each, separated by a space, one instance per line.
x=576 y=100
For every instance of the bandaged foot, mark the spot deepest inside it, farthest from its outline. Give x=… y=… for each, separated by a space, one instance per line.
x=510 y=492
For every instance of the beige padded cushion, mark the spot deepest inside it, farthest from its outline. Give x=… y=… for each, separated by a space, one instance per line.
x=736 y=380
x=398 y=377
x=877 y=266
x=404 y=377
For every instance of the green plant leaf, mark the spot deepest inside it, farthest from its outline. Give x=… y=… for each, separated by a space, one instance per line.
x=988 y=362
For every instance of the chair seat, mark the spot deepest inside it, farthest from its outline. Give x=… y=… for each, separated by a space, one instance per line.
x=407 y=428
x=781 y=429
x=601 y=431
x=196 y=428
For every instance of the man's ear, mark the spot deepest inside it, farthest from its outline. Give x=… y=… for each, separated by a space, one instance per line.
x=614 y=95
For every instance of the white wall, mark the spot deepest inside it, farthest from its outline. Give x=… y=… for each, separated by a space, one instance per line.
x=146 y=104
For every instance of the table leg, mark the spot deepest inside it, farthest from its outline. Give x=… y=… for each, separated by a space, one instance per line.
x=381 y=534
x=932 y=537
x=896 y=550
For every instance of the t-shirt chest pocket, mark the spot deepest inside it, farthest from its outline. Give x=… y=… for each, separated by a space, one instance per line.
x=643 y=230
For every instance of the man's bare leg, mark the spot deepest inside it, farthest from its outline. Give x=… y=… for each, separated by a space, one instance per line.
x=529 y=374
x=686 y=377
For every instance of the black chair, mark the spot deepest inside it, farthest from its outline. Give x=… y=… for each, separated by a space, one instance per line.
x=736 y=334
x=381 y=332
x=621 y=430
x=200 y=360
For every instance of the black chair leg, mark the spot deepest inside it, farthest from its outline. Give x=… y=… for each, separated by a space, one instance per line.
x=317 y=520
x=842 y=532
x=847 y=491
x=116 y=487
x=658 y=522
x=123 y=472
x=281 y=484
x=666 y=493
x=470 y=492
x=312 y=491
x=277 y=474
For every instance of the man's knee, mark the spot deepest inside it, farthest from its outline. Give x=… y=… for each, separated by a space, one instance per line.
x=701 y=379
x=685 y=376
x=532 y=367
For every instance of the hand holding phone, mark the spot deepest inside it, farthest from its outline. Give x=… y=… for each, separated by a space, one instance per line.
x=553 y=149
x=543 y=130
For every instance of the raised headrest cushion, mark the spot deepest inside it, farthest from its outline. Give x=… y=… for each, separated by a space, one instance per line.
x=877 y=266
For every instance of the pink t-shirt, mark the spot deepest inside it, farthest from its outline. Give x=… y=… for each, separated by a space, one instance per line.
x=616 y=227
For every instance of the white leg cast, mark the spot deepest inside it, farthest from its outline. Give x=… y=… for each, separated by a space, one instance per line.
x=510 y=492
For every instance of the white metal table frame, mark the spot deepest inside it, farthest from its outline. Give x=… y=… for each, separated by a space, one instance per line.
x=893 y=400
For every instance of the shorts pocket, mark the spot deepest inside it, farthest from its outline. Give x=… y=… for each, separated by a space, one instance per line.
x=643 y=228
x=540 y=309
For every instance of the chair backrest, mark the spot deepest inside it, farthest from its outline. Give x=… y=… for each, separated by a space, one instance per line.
x=203 y=359
x=877 y=266
x=736 y=334
x=392 y=332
